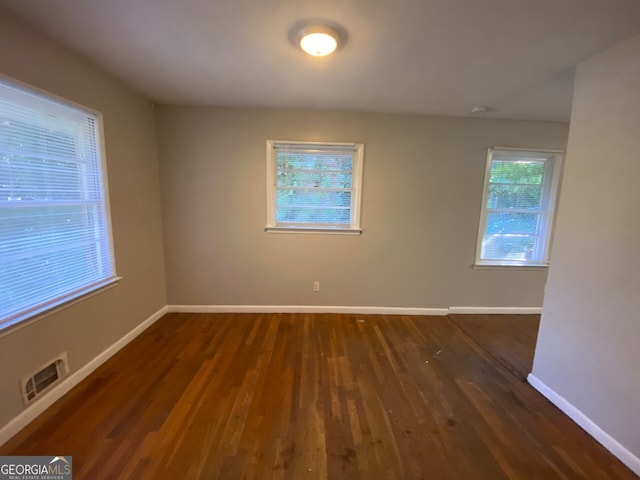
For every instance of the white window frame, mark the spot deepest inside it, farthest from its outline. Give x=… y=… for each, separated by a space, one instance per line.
x=550 y=185
x=53 y=304
x=357 y=150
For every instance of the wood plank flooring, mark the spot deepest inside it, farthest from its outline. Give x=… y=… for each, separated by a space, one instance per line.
x=311 y=396
x=510 y=339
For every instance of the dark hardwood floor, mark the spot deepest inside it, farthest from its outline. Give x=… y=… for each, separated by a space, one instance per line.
x=295 y=396
x=510 y=339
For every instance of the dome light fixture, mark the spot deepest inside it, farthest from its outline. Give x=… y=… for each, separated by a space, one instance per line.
x=318 y=40
x=482 y=109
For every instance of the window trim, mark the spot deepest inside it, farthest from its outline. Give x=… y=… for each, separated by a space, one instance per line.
x=37 y=312
x=356 y=190
x=552 y=179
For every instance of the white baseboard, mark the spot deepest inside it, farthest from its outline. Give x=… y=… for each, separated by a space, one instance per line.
x=348 y=309
x=306 y=309
x=496 y=310
x=30 y=413
x=607 y=441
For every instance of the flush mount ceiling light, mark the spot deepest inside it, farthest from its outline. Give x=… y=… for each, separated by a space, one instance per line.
x=318 y=40
x=481 y=109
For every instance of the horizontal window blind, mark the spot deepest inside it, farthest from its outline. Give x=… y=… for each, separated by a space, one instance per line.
x=517 y=211
x=315 y=185
x=55 y=241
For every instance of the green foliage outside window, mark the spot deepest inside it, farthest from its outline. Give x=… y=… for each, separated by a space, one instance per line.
x=314 y=188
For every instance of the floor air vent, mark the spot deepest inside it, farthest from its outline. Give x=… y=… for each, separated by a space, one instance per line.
x=44 y=379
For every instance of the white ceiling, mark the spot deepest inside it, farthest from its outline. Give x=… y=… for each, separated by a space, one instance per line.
x=410 y=56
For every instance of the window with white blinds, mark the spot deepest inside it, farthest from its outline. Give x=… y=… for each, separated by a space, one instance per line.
x=55 y=241
x=518 y=207
x=314 y=187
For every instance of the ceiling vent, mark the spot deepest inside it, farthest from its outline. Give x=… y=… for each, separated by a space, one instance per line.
x=40 y=382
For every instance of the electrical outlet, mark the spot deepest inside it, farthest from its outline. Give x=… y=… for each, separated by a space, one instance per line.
x=316 y=286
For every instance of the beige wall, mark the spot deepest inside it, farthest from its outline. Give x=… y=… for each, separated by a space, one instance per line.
x=588 y=346
x=89 y=327
x=422 y=188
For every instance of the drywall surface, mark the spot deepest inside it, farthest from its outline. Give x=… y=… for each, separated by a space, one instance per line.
x=92 y=325
x=422 y=189
x=587 y=350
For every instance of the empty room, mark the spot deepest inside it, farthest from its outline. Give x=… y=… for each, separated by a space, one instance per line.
x=354 y=239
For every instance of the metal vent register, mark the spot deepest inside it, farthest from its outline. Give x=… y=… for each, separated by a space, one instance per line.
x=44 y=379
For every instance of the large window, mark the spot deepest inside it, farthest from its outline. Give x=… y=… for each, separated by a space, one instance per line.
x=518 y=207
x=55 y=242
x=314 y=187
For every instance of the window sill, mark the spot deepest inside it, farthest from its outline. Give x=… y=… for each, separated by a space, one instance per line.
x=330 y=231
x=495 y=266
x=33 y=316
